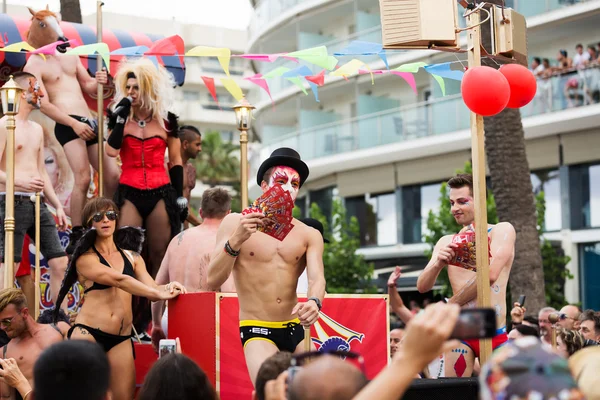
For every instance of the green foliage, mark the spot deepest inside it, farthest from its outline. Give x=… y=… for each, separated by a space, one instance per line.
x=555 y=273
x=297 y=212
x=345 y=271
x=218 y=164
x=443 y=223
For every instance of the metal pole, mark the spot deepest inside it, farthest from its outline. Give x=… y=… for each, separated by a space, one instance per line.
x=9 y=219
x=244 y=167
x=479 y=187
x=38 y=293
x=100 y=95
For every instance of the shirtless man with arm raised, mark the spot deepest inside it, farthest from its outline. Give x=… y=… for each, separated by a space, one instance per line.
x=188 y=256
x=266 y=270
x=64 y=79
x=460 y=361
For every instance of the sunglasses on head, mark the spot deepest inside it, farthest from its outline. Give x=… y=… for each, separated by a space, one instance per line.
x=99 y=216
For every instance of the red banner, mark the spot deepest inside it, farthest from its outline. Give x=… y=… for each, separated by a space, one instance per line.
x=352 y=323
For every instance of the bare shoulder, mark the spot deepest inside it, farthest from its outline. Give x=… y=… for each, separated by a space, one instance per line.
x=34 y=63
x=230 y=220
x=444 y=240
x=503 y=228
x=49 y=335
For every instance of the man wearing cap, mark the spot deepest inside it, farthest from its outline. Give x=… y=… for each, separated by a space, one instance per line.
x=266 y=270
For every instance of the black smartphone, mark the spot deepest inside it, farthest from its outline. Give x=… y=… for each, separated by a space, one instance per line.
x=522 y=300
x=475 y=323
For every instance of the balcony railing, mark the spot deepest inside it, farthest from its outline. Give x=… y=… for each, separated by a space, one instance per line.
x=445 y=115
x=269 y=10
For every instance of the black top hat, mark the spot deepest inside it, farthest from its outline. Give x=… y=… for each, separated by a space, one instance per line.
x=313 y=223
x=286 y=157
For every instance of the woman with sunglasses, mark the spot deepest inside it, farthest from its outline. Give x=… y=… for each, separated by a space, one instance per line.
x=107 y=265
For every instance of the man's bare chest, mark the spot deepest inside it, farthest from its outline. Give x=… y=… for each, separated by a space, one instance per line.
x=263 y=248
x=55 y=69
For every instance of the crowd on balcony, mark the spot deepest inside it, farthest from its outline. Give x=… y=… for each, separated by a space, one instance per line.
x=569 y=81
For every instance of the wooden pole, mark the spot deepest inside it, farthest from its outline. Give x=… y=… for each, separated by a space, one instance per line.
x=244 y=167
x=38 y=292
x=307 y=339
x=479 y=187
x=100 y=100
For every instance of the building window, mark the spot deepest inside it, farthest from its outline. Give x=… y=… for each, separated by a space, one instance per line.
x=548 y=181
x=323 y=198
x=376 y=215
x=417 y=202
x=590 y=275
x=584 y=182
x=189 y=95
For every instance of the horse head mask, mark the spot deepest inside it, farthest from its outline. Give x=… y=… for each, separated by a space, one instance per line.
x=45 y=29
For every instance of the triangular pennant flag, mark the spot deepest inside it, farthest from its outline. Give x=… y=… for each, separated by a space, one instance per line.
x=412 y=67
x=318 y=79
x=300 y=71
x=210 y=85
x=223 y=54
x=276 y=72
x=441 y=82
x=317 y=56
x=130 y=51
x=409 y=78
x=298 y=82
x=17 y=47
x=315 y=90
x=233 y=88
x=444 y=71
x=383 y=55
x=360 y=48
x=351 y=68
x=169 y=46
x=91 y=49
x=50 y=49
x=259 y=81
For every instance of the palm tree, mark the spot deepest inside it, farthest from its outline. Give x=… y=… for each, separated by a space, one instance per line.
x=515 y=203
x=218 y=163
x=70 y=10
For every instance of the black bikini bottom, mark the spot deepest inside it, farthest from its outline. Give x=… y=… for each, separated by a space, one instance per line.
x=106 y=340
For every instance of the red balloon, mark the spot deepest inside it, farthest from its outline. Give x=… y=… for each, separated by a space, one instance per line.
x=523 y=84
x=485 y=90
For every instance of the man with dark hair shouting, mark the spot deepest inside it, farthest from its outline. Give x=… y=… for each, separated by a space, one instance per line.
x=266 y=270
x=456 y=253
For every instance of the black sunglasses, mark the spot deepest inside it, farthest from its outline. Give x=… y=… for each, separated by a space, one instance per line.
x=99 y=216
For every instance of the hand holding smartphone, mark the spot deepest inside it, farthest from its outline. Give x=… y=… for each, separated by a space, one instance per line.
x=475 y=323
x=166 y=346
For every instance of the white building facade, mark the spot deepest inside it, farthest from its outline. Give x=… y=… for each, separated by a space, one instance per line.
x=385 y=150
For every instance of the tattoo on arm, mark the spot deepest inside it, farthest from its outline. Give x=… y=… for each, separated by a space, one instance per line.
x=180 y=238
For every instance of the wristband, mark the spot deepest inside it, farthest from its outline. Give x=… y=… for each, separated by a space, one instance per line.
x=231 y=251
x=317 y=301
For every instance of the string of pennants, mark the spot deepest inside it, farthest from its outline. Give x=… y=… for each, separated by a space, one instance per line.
x=317 y=56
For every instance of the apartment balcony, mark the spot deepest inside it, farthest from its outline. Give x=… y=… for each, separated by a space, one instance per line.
x=443 y=116
x=269 y=15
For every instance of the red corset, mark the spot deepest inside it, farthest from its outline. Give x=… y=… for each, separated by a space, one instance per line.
x=143 y=162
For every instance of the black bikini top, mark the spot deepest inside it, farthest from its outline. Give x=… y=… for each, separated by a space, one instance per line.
x=127 y=270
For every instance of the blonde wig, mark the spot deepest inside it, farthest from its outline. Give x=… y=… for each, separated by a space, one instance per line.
x=156 y=87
